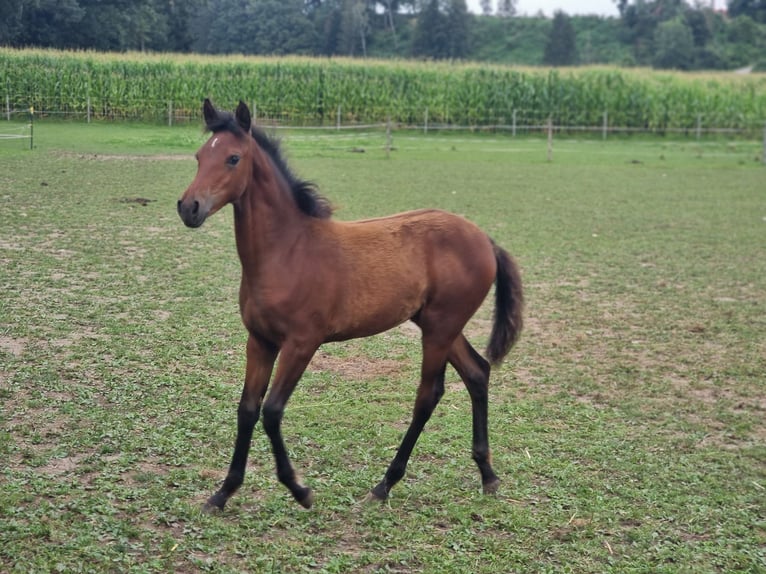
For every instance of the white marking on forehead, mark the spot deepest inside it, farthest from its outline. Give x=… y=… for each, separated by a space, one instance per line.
x=215 y=141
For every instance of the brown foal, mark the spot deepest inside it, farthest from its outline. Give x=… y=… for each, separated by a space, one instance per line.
x=308 y=279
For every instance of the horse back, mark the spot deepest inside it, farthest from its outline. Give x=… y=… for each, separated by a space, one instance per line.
x=396 y=265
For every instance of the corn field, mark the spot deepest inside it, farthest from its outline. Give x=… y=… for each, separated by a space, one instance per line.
x=304 y=91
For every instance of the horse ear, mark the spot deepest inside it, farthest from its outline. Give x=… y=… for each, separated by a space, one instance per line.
x=243 y=116
x=208 y=111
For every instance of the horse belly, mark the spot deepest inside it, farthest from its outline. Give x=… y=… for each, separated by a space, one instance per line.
x=378 y=307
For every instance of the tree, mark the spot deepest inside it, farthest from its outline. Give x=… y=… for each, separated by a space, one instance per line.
x=699 y=25
x=115 y=25
x=744 y=30
x=640 y=20
x=281 y=27
x=486 y=7
x=223 y=28
x=11 y=22
x=327 y=26
x=354 y=27
x=560 y=50
x=756 y=9
x=664 y=10
x=674 y=45
x=391 y=7
x=145 y=27
x=430 y=40
x=255 y=27
x=457 y=23
x=49 y=23
x=442 y=30
x=180 y=17
x=506 y=8
x=638 y=25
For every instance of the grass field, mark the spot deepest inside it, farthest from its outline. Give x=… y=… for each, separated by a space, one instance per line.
x=628 y=425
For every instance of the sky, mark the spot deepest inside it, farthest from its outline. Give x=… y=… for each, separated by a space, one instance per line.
x=571 y=7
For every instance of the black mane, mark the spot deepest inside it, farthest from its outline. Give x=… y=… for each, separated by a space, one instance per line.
x=305 y=193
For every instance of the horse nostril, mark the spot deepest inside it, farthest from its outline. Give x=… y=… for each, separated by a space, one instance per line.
x=195 y=209
x=179 y=206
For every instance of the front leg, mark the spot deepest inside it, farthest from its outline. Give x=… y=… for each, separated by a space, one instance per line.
x=260 y=362
x=292 y=362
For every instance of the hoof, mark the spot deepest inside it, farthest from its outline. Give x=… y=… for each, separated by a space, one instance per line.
x=307 y=499
x=491 y=487
x=211 y=508
x=214 y=504
x=373 y=498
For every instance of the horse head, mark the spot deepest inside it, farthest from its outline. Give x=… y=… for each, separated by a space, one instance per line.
x=224 y=164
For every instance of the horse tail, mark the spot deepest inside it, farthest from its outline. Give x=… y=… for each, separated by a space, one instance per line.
x=507 y=320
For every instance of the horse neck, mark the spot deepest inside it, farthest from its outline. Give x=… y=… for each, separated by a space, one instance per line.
x=266 y=218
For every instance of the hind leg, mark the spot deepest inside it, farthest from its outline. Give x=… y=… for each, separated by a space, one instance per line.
x=474 y=370
x=430 y=392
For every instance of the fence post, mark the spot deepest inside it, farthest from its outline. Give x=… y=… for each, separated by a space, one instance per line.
x=764 y=143
x=337 y=124
x=425 y=122
x=699 y=125
x=170 y=113
x=388 y=136
x=513 y=125
x=606 y=124
x=31 y=127
x=550 y=138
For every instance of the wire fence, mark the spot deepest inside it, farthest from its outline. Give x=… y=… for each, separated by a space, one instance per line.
x=512 y=121
x=21 y=131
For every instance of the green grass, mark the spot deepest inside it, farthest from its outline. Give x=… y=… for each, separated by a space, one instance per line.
x=627 y=425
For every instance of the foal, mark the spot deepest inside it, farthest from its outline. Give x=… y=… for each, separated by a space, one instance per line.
x=308 y=279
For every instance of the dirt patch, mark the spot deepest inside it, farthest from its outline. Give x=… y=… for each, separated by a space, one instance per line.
x=354 y=368
x=56 y=466
x=142 y=201
x=13 y=346
x=128 y=157
x=143 y=472
x=74 y=337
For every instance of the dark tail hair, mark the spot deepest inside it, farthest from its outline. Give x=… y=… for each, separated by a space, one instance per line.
x=509 y=301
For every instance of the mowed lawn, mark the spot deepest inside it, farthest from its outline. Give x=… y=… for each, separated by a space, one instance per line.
x=628 y=425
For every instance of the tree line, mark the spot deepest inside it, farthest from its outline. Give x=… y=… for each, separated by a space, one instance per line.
x=659 y=33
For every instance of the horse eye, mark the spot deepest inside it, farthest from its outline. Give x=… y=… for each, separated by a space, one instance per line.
x=232 y=160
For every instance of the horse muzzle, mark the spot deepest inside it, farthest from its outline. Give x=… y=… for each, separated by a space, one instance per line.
x=192 y=213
